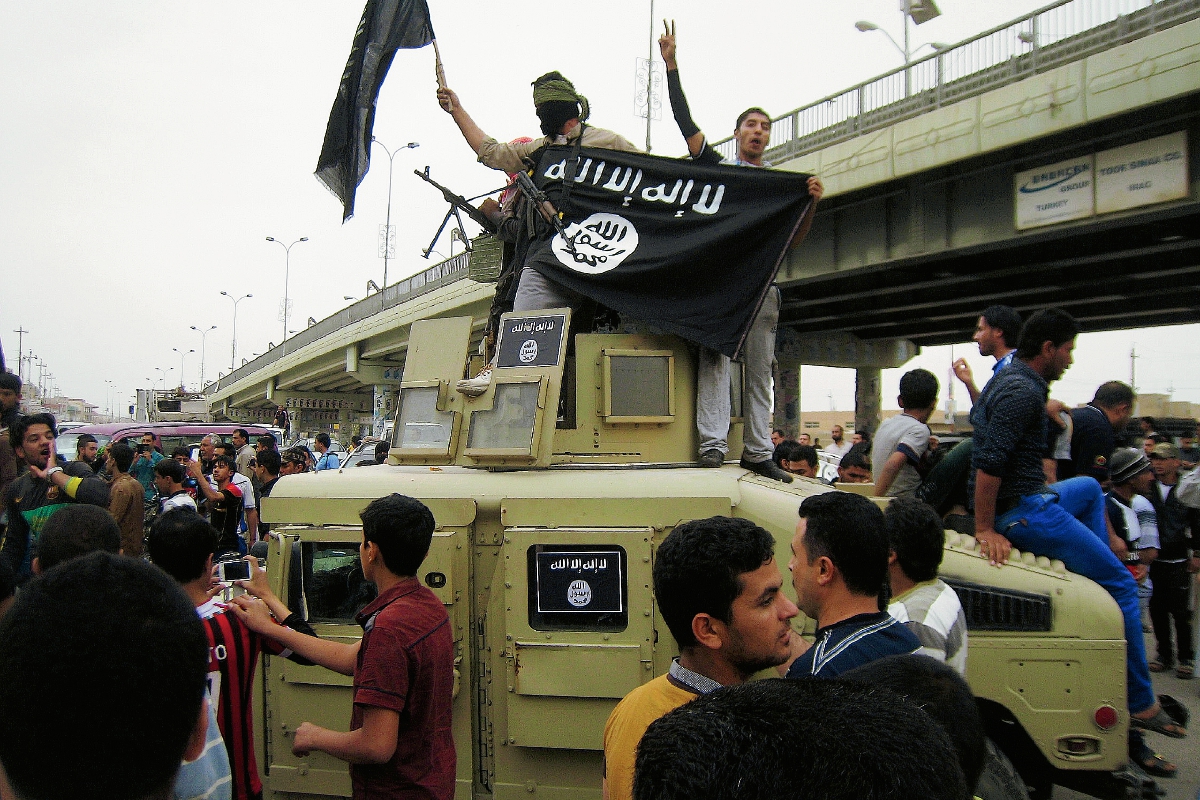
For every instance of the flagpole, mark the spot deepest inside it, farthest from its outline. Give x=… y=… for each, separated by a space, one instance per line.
x=437 y=68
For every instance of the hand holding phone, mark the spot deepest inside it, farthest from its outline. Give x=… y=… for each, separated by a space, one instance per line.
x=230 y=571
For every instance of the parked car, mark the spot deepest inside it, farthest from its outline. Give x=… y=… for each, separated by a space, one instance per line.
x=167 y=435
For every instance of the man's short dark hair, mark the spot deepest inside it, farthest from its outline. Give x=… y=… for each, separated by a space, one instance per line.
x=225 y=448
x=105 y=659
x=270 y=461
x=76 y=530
x=848 y=529
x=180 y=543
x=226 y=460
x=915 y=533
x=11 y=382
x=698 y=570
x=1006 y=320
x=84 y=438
x=21 y=425
x=784 y=739
x=1111 y=394
x=381 y=451
x=267 y=440
x=752 y=110
x=941 y=693
x=242 y=433
x=122 y=454
x=182 y=451
x=1150 y=421
x=805 y=452
x=323 y=439
x=172 y=469
x=402 y=528
x=918 y=389
x=1048 y=325
x=856 y=457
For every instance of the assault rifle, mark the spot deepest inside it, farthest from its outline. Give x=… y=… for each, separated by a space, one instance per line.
x=458 y=204
x=542 y=203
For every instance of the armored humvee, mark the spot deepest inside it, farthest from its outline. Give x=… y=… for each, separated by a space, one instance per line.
x=551 y=493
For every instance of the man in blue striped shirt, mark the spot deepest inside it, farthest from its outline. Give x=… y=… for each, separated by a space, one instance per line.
x=839 y=570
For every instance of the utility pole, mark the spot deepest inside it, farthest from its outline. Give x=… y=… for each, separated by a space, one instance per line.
x=1133 y=357
x=20 y=332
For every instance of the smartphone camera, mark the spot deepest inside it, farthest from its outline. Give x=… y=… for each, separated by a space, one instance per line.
x=230 y=571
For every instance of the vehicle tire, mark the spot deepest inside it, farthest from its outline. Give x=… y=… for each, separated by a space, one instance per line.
x=999 y=780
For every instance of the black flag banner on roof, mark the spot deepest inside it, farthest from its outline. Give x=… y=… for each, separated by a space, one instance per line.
x=689 y=248
x=386 y=26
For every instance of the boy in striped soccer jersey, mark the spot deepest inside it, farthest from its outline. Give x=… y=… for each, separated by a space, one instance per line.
x=183 y=545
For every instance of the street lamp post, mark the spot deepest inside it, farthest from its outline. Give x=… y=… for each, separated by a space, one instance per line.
x=182 y=356
x=203 y=336
x=387 y=245
x=233 y=346
x=917 y=11
x=287 y=268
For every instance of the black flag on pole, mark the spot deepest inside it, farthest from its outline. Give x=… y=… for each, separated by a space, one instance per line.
x=386 y=26
x=690 y=248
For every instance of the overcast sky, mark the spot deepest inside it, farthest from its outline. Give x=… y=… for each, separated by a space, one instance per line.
x=148 y=148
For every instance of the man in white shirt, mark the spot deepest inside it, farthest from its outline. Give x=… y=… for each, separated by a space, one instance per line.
x=839 y=446
x=927 y=606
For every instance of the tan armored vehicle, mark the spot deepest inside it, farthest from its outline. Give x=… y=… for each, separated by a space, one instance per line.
x=552 y=492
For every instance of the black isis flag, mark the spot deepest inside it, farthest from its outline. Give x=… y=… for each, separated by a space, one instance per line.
x=689 y=248
x=386 y=26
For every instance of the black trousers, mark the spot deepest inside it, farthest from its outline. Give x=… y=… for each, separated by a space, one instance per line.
x=1170 y=602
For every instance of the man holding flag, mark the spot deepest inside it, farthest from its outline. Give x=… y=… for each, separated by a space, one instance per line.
x=562 y=112
x=654 y=239
x=753 y=134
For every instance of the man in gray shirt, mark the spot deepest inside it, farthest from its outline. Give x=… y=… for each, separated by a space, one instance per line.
x=902 y=441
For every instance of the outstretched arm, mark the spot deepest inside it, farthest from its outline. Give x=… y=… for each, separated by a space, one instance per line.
x=679 y=105
x=474 y=135
x=336 y=656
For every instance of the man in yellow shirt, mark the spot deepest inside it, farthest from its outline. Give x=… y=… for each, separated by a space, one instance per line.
x=720 y=592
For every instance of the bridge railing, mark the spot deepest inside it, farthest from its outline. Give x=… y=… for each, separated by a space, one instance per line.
x=1057 y=34
x=438 y=275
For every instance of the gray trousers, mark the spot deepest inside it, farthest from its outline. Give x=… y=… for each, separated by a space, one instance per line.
x=712 y=389
x=535 y=291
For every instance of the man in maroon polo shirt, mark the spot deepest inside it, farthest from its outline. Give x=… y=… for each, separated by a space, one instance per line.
x=399 y=744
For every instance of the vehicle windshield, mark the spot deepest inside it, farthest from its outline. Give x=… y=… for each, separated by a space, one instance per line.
x=65 y=443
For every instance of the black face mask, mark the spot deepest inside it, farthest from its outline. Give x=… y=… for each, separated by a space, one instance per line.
x=555 y=113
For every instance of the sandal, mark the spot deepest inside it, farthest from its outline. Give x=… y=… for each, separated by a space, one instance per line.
x=1185 y=672
x=1160 y=723
x=1158 y=666
x=1156 y=765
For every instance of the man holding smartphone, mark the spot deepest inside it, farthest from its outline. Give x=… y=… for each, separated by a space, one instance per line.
x=145 y=459
x=183 y=545
x=225 y=503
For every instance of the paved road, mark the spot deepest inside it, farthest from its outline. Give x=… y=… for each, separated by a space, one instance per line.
x=1185 y=753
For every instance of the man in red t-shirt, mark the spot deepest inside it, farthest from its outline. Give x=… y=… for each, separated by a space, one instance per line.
x=400 y=743
x=183 y=545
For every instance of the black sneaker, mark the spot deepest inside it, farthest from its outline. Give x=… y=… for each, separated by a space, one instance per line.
x=767 y=469
x=711 y=458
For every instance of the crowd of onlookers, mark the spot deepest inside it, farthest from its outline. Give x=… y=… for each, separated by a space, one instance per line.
x=881 y=680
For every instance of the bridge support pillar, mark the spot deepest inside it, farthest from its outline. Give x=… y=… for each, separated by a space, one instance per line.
x=381 y=406
x=786 y=415
x=867 y=398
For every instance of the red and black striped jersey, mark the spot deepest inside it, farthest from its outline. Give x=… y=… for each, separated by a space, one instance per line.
x=234 y=651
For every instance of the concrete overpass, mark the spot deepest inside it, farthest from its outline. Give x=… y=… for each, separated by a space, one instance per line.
x=1000 y=170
